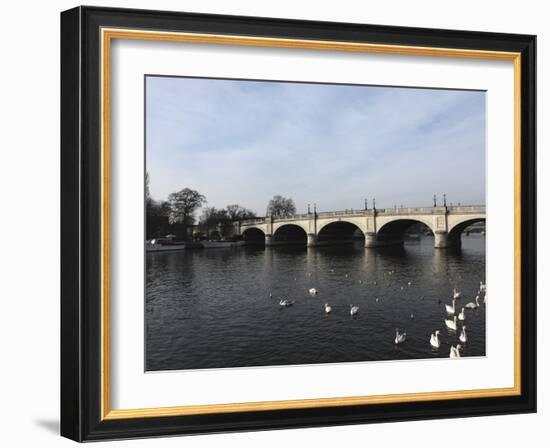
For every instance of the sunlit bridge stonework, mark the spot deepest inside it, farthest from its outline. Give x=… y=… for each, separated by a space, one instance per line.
x=378 y=227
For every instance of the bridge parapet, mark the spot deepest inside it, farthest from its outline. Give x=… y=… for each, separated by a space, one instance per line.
x=462 y=209
x=293 y=217
x=411 y=211
x=251 y=222
x=350 y=212
x=467 y=209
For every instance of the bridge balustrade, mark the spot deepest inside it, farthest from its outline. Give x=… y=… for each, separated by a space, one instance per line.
x=380 y=211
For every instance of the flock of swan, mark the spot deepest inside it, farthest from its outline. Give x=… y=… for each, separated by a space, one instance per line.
x=451 y=323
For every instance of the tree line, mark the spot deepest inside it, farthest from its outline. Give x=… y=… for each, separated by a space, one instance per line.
x=177 y=214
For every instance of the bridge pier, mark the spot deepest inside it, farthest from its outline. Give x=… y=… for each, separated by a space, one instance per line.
x=371 y=239
x=311 y=240
x=268 y=240
x=442 y=239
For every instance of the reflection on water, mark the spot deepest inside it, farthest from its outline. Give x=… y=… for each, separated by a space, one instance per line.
x=212 y=308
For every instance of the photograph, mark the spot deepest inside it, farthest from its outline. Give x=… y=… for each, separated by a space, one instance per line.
x=298 y=223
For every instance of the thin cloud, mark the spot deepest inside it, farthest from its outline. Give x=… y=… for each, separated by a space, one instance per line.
x=245 y=141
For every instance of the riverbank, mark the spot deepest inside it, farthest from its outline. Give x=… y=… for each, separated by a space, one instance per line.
x=193 y=245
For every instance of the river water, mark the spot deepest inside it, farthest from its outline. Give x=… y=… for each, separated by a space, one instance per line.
x=212 y=308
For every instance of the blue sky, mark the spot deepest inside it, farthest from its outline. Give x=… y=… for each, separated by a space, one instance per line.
x=246 y=141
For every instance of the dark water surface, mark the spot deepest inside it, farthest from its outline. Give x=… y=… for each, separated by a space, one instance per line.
x=211 y=308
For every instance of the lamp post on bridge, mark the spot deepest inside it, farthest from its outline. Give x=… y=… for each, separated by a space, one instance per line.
x=435 y=201
x=366 y=204
x=312 y=231
x=371 y=239
x=444 y=200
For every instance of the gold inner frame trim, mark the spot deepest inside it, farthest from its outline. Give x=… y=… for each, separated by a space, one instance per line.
x=107 y=35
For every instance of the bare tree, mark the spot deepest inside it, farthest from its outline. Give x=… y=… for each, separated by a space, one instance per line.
x=236 y=212
x=183 y=204
x=147 y=192
x=281 y=207
x=211 y=216
x=158 y=208
x=214 y=219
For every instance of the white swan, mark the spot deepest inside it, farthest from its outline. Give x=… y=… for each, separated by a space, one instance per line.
x=482 y=287
x=409 y=283
x=353 y=310
x=451 y=323
x=434 y=339
x=328 y=308
x=463 y=338
x=455 y=351
x=285 y=302
x=473 y=305
x=462 y=315
x=456 y=294
x=313 y=291
x=450 y=308
x=399 y=337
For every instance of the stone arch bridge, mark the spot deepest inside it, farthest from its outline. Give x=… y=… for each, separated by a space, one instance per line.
x=380 y=227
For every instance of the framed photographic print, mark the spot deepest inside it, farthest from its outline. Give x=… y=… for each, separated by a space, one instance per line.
x=273 y=223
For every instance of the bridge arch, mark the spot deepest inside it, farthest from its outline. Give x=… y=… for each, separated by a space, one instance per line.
x=254 y=235
x=457 y=228
x=289 y=233
x=297 y=223
x=395 y=229
x=404 y=221
x=339 y=231
x=322 y=223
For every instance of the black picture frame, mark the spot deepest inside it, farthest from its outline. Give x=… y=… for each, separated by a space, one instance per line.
x=81 y=224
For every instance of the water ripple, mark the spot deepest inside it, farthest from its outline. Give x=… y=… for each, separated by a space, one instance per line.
x=212 y=308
